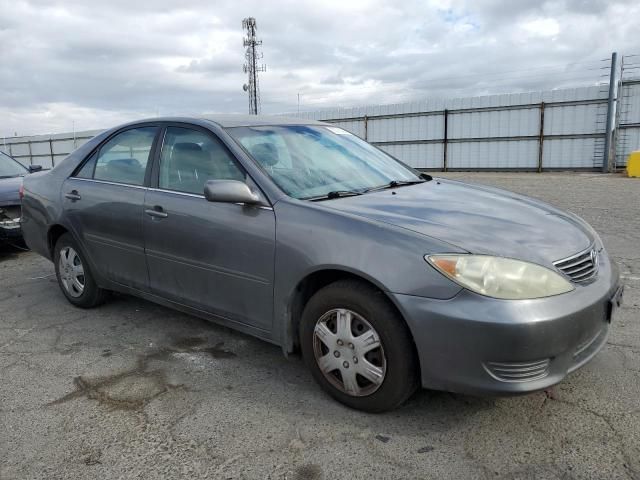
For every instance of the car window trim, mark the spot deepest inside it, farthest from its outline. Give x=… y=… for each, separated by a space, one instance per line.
x=195 y=195
x=154 y=180
x=185 y=194
x=107 y=182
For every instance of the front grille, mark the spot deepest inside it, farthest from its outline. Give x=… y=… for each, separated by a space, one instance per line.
x=580 y=267
x=518 y=371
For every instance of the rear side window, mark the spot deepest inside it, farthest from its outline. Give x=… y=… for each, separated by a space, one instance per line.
x=124 y=158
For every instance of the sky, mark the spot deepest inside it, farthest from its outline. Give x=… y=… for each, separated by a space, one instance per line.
x=78 y=65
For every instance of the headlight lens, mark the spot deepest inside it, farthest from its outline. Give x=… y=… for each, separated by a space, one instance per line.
x=10 y=223
x=500 y=277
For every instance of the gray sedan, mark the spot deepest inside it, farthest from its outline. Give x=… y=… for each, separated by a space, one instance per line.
x=306 y=236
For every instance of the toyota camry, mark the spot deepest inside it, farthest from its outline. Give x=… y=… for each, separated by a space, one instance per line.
x=304 y=235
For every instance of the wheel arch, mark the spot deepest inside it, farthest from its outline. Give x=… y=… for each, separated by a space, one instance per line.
x=54 y=232
x=312 y=283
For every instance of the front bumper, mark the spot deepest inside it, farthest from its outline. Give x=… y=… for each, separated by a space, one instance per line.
x=10 y=233
x=479 y=345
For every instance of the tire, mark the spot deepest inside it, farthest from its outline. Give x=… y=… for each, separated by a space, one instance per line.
x=90 y=295
x=367 y=310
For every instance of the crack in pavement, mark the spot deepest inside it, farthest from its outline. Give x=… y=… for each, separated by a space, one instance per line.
x=627 y=464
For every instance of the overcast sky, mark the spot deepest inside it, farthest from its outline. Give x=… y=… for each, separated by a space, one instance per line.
x=97 y=64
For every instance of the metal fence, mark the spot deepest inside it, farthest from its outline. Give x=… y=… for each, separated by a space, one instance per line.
x=45 y=150
x=558 y=129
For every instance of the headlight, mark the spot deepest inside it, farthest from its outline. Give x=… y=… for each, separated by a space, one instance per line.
x=499 y=277
x=10 y=223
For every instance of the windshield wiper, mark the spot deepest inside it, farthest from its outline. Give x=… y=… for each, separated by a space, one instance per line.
x=350 y=193
x=394 y=184
x=333 y=194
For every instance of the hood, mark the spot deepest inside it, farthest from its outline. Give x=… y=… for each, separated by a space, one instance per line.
x=478 y=219
x=9 y=191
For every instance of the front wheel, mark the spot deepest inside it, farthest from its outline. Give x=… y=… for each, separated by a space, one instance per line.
x=358 y=347
x=74 y=275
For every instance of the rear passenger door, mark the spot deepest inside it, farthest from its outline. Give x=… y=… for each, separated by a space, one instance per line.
x=104 y=200
x=216 y=257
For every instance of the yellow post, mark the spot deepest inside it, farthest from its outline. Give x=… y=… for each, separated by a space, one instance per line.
x=633 y=164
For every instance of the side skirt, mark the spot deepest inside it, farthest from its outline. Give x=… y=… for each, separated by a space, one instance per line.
x=219 y=320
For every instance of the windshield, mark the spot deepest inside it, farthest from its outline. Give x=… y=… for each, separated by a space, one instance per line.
x=9 y=167
x=308 y=161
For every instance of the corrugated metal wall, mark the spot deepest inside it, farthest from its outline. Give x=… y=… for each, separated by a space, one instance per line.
x=45 y=150
x=490 y=132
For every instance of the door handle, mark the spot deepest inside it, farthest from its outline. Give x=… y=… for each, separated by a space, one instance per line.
x=73 y=195
x=157 y=212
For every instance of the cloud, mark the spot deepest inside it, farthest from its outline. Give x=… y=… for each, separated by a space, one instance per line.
x=94 y=64
x=542 y=27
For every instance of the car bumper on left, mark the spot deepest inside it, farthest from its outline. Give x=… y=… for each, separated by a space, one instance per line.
x=10 y=234
x=480 y=345
x=10 y=227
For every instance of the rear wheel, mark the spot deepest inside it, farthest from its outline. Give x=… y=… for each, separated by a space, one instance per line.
x=74 y=275
x=358 y=347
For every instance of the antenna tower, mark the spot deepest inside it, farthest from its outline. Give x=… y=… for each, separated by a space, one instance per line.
x=251 y=67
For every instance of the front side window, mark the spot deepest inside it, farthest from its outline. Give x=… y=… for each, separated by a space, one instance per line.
x=190 y=157
x=124 y=158
x=10 y=168
x=308 y=161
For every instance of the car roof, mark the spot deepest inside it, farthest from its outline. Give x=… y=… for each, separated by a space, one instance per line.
x=231 y=120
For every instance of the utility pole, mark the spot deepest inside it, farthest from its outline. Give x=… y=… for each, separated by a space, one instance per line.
x=608 y=160
x=251 y=66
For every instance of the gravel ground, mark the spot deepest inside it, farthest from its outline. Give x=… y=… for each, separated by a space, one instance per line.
x=133 y=390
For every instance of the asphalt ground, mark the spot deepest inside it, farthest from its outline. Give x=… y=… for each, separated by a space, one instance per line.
x=134 y=390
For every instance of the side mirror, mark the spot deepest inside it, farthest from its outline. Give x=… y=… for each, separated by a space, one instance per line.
x=34 y=168
x=229 y=191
